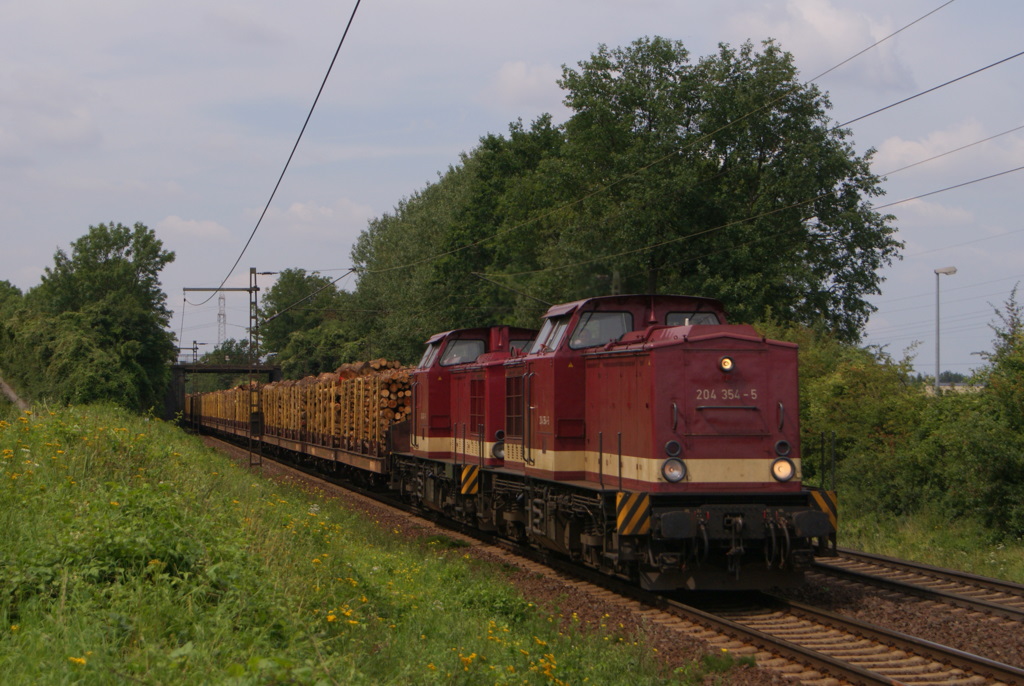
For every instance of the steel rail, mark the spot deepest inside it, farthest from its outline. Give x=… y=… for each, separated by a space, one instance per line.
x=974 y=664
x=909 y=588
x=1008 y=587
x=779 y=646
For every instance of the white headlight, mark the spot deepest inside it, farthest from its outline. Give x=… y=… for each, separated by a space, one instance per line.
x=673 y=470
x=498 y=451
x=783 y=469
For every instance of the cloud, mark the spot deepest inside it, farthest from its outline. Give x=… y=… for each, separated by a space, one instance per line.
x=931 y=215
x=241 y=24
x=43 y=112
x=896 y=152
x=192 y=228
x=344 y=219
x=519 y=86
x=824 y=34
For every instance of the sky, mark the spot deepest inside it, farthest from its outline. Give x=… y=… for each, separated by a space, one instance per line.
x=182 y=116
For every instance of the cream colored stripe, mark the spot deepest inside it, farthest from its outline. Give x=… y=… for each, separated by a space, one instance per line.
x=753 y=470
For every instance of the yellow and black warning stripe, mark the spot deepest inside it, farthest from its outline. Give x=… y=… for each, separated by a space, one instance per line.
x=826 y=502
x=470 y=480
x=633 y=513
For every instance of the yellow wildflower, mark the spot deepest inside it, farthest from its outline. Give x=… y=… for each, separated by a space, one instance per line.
x=77 y=660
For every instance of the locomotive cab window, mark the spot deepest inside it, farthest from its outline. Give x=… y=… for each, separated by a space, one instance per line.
x=597 y=328
x=550 y=334
x=519 y=345
x=461 y=352
x=429 y=355
x=688 y=318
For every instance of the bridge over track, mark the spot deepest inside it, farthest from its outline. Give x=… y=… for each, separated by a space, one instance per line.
x=174 y=402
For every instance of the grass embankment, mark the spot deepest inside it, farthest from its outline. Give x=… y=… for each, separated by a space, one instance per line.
x=131 y=553
x=933 y=539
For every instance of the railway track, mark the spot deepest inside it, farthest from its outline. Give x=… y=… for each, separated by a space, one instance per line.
x=848 y=649
x=969 y=591
x=804 y=644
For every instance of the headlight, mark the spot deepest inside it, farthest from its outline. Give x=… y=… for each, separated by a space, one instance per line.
x=673 y=470
x=782 y=448
x=498 y=451
x=726 y=364
x=783 y=469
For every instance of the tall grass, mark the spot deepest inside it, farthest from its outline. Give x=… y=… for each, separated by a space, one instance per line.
x=132 y=554
x=934 y=538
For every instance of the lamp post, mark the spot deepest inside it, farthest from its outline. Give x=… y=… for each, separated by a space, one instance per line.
x=948 y=271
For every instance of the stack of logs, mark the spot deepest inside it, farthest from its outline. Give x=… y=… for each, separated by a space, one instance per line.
x=352 y=406
x=393 y=394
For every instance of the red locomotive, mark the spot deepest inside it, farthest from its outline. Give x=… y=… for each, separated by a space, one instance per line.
x=640 y=435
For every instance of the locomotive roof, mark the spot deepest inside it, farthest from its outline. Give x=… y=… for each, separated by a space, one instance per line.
x=707 y=304
x=482 y=330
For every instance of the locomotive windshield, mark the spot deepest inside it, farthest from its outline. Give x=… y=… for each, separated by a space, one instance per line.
x=460 y=352
x=597 y=328
x=688 y=318
x=518 y=345
x=550 y=334
x=429 y=355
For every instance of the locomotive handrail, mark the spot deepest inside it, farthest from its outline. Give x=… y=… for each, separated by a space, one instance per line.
x=415 y=411
x=728 y=407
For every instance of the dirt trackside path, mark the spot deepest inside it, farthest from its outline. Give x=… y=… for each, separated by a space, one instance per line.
x=9 y=392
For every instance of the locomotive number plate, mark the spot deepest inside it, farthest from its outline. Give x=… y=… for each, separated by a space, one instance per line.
x=726 y=394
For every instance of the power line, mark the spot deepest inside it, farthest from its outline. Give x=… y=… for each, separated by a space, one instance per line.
x=879 y=42
x=295 y=147
x=302 y=300
x=950 y=188
x=950 y=152
x=933 y=88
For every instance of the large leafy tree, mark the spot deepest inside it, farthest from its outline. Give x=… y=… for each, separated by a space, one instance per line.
x=419 y=266
x=723 y=178
x=96 y=327
x=297 y=301
x=310 y=325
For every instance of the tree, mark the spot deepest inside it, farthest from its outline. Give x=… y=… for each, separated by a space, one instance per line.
x=418 y=264
x=1005 y=371
x=10 y=301
x=723 y=179
x=296 y=302
x=95 y=328
x=322 y=349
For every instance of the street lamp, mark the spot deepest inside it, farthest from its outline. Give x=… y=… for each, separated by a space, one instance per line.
x=948 y=271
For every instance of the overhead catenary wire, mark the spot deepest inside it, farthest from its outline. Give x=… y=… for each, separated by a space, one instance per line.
x=930 y=90
x=291 y=155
